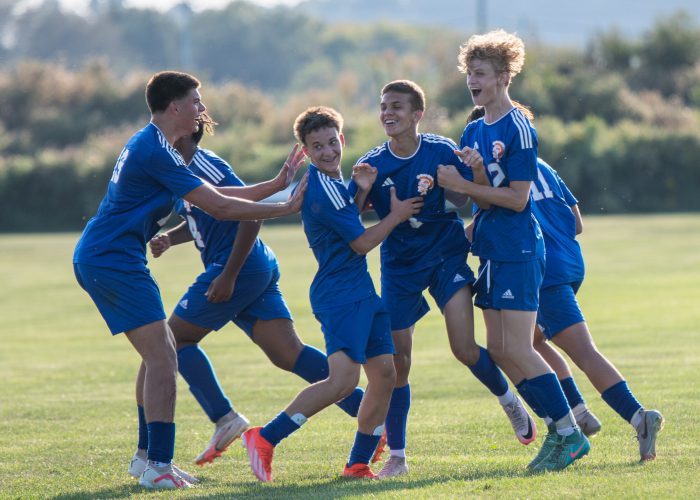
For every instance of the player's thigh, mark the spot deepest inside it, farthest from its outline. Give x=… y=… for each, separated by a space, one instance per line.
x=278 y=340
x=186 y=333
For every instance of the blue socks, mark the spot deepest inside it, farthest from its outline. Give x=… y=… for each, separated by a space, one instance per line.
x=547 y=391
x=279 y=428
x=195 y=368
x=363 y=448
x=620 y=398
x=397 y=418
x=573 y=396
x=488 y=374
x=161 y=442
x=312 y=366
x=143 y=429
x=528 y=397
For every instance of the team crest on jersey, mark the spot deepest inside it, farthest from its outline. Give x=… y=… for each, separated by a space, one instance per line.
x=425 y=183
x=498 y=149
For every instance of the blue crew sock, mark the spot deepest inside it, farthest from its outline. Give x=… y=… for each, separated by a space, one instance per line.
x=161 y=441
x=143 y=429
x=397 y=417
x=529 y=398
x=547 y=391
x=573 y=396
x=488 y=374
x=620 y=398
x=363 y=448
x=312 y=366
x=279 y=428
x=195 y=368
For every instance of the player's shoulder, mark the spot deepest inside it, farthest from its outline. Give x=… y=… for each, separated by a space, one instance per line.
x=151 y=141
x=521 y=128
x=373 y=153
x=439 y=141
x=546 y=167
x=209 y=165
x=326 y=190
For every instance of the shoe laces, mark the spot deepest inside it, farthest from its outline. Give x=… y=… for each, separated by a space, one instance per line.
x=516 y=414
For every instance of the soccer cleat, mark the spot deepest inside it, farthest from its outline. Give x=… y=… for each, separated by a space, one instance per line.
x=547 y=446
x=395 y=466
x=162 y=478
x=381 y=448
x=185 y=475
x=260 y=453
x=228 y=429
x=138 y=463
x=523 y=425
x=588 y=422
x=359 y=471
x=651 y=424
x=567 y=449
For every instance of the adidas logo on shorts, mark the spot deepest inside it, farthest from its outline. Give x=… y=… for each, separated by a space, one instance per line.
x=508 y=295
x=388 y=182
x=458 y=277
x=183 y=303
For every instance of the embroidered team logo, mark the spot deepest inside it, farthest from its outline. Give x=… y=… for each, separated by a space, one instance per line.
x=498 y=149
x=425 y=183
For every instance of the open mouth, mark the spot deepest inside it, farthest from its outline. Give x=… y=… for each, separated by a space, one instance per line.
x=475 y=92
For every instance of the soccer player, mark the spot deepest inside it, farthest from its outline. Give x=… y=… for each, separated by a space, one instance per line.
x=110 y=257
x=239 y=284
x=353 y=319
x=429 y=251
x=507 y=237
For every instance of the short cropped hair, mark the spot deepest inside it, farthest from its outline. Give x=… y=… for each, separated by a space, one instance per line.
x=407 y=87
x=505 y=51
x=167 y=86
x=316 y=118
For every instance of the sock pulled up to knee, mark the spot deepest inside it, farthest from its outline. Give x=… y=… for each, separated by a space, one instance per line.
x=196 y=369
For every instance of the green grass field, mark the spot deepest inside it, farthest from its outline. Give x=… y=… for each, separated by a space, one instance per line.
x=68 y=418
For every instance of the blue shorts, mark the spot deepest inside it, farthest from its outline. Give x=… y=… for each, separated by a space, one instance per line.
x=509 y=285
x=559 y=309
x=255 y=296
x=126 y=299
x=403 y=294
x=360 y=329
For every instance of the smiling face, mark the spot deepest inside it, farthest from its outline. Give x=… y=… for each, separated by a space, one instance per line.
x=324 y=147
x=486 y=86
x=188 y=109
x=397 y=114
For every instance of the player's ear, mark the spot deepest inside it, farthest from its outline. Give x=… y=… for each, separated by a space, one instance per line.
x=342 y=139
x=305 y=150
x=419 y=114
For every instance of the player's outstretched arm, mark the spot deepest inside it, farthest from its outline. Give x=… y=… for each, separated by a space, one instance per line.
x=175 y=236
x=579 y=219
x=514 y=197
x=262 y=190
x=223 y=207
x=400 y=212
x=221 y=288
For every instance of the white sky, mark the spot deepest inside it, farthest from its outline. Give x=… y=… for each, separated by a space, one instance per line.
x=81 y=5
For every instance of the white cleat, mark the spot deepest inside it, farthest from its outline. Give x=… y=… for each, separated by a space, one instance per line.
x=394 y=466
x=162 y=478
x=521 y=421
x=228 y=429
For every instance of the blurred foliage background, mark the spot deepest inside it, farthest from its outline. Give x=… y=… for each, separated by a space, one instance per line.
x=618 y=118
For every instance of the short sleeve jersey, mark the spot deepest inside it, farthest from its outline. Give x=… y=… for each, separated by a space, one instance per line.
x=331 y=221
x=435 y=234
x=551 y=204
x=214 y=238
x=150 y=175
x=509 y=150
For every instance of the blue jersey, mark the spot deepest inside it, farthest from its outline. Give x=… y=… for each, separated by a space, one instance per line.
x=331 y=221
x=147 y=179
x=214 y=238
x=434 y=234
x=552 y=202
x=509 y=149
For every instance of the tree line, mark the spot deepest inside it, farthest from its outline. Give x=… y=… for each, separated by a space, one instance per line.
x=618 y=119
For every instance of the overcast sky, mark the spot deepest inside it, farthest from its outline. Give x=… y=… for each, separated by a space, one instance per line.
x=81 y=5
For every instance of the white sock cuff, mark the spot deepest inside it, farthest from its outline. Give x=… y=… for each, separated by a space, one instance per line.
x=298 y=419
x=378 y=431
x=507 y=397
x=398 y=453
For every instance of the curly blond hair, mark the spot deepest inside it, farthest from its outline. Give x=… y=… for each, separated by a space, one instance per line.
x=505 y=51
